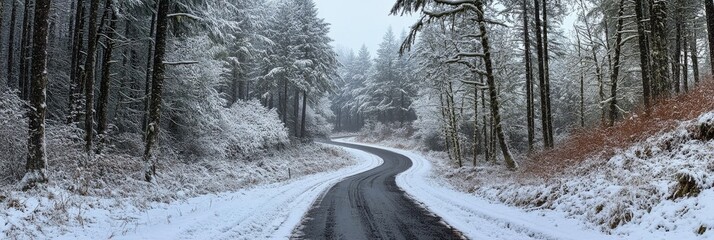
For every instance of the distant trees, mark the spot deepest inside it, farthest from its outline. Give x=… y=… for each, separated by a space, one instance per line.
x=388 y=92
x=355 y=71
x=301 y=60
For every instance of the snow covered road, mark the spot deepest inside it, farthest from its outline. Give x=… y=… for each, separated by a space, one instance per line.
x=264 y=212
x=477 y=218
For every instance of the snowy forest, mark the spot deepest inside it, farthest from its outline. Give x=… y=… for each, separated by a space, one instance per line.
x=102 y=97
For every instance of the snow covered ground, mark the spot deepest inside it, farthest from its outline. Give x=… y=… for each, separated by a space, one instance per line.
x=478 y=218
x=270 y=211
x=265 y=211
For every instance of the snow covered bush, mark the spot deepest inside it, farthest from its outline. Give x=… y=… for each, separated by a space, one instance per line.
x=247 y=128
x=13 y=137
x=318 y=124
x=429 y=121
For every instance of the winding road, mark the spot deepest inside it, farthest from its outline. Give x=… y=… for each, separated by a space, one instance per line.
x=369 y=205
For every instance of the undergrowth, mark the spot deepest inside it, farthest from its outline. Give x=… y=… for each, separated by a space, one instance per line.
x=602 y=142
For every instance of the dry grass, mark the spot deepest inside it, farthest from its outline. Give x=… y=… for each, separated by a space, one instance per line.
x=638 y=126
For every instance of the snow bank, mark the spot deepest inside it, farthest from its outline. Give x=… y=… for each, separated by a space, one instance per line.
x=660 y=188
x=476 y=217
x=102 y=201
x=264 y=212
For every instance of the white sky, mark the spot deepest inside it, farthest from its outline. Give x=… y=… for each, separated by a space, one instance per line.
x=357 y=22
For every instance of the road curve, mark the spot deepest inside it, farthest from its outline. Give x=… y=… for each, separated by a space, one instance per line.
x=369 y=205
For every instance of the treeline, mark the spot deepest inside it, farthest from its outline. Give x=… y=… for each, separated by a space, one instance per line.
x=377 y=90
x=173 y=73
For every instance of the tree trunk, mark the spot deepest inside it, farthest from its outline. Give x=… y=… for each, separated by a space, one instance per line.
x=614 y=77
x=25 y=59
x=486 y=128
x=102 y=125
x=11 y=44
x=447 y=134
x=660 y=59
x=541 y=76
x=152 y=130
x=480 y=18
x=694 y=53
x=645 y=67
x=147 y=83
x=453 y=125
x=234 y=84
x=128 y=79
x=474 y=149
x=2 y=3
x=530 y=118
x=89 y=76
x=296 y=112
x=36 y=159
x=546 y=70
x=75 y=79
x=677 y=57
x=582 y=81
x=303 y=133
x=709 y=9
x=284 y=102
x=598 y=69
x=685 y=60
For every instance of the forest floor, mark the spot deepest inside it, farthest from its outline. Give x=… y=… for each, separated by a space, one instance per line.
x=188 y=199
x=659 y=184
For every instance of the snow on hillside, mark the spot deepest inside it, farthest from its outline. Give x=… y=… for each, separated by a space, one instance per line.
x=185 y=195
x=661 y=188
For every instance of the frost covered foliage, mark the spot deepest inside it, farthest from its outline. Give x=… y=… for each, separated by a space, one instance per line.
x=247 y=128
x=660 y=187
x=429 y=121
x=13 y=137
x=198 y=119
x=318 y=124
x=191 y=100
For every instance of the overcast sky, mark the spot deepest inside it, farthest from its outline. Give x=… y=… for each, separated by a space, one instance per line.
x=353 y=23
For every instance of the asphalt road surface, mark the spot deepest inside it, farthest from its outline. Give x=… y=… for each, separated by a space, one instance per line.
x=369 y=205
